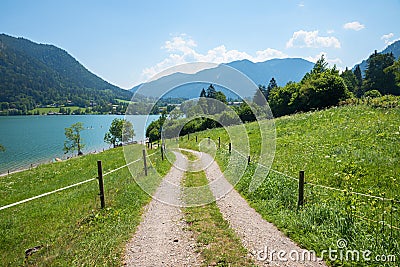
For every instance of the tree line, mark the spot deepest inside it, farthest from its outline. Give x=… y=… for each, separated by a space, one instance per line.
x=320 y=88
x=324 y=87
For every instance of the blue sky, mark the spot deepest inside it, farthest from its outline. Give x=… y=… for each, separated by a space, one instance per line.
x=126 y=42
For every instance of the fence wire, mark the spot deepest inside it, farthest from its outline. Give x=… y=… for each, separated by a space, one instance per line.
x=69 y=186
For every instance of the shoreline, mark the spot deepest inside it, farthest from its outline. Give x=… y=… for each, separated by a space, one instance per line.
x=53 y=160
x=47 y=161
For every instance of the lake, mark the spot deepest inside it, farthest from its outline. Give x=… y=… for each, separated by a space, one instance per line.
x=37 y=139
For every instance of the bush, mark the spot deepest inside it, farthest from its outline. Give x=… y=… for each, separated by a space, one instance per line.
x=373 y=94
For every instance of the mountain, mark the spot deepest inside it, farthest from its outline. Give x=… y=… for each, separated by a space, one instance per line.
x=283 y=70
x=34 y=74
x=392 y=48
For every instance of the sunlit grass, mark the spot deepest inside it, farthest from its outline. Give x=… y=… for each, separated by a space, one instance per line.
x=69 y=225
x=351 y=148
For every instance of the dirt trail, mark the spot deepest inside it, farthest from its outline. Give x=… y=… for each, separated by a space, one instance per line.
x=160 y=239
x=261 y=238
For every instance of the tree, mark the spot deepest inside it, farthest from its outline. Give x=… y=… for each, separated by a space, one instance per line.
x=395 y=69
x=203 y=93
x=319 y=67
x=211 y=92
x=260 y=97
x=358 y=74
x=359 y=81
x=221 y=97
x=2 y=148
x=153 y=131
x=350 y=80
x=375 y=76
x=74 y=141
x=272 y=84
x=120 y=130
x=321 y=91
x=127 y=131
x=282 y=99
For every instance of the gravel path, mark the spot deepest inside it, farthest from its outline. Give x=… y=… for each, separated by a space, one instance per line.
x=160 y=239
x=262 y=239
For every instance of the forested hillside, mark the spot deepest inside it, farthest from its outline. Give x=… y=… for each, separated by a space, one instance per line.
x=33 y=75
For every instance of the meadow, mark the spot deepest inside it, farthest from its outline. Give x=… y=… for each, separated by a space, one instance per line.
x=342 y=150
x=69 y=226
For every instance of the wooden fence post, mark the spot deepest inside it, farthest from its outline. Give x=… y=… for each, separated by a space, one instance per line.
x=248 y=160
x=144 y=162
x=196 y=138
x=300 y=201
x=208 y=140
x=219 y=142
x=101 y=185
x=162 y=151
x=230 y=147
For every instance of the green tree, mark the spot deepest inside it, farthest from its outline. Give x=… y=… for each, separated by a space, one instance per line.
x=74 y=140
x=358 y=74
x=373 y=94
x=221 y=97
x=350 y=80
x=120 y=130
x=359 y=81
x=395 y=69
x=375 y=76
x=261 y=96
x=282 y=99
x=211 y=92
x=203 y=93
x=322 y=90
x=319 y=67
x=272 y=84
x=153 y=131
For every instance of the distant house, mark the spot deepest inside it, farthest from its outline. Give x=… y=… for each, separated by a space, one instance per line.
x=235 y=103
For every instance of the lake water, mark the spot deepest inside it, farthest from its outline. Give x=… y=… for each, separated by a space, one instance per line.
x=37 y=139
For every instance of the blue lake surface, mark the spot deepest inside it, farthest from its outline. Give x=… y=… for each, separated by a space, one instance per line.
x=37 y=139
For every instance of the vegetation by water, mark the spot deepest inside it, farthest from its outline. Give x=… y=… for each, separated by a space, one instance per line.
x=69 y=226
x=351 y=148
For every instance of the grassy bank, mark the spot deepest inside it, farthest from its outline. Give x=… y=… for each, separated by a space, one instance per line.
x=69 y=225
x=351 y=148
x=217 y=242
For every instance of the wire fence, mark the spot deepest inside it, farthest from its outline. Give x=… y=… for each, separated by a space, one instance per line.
x=71 y=186
x=383 y=199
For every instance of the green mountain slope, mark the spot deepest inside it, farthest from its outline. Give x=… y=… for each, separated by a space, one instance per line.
x=34 y=74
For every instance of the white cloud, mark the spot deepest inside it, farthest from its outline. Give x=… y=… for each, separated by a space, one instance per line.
x=330 y=31
x=182 y=50
x=355 y=25
x=387 y=37
x=311 y=39
x=301 y=4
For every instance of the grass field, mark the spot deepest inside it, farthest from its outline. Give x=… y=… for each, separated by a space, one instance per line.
x=69 y=225
x=351 y=148
x=217 y=242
